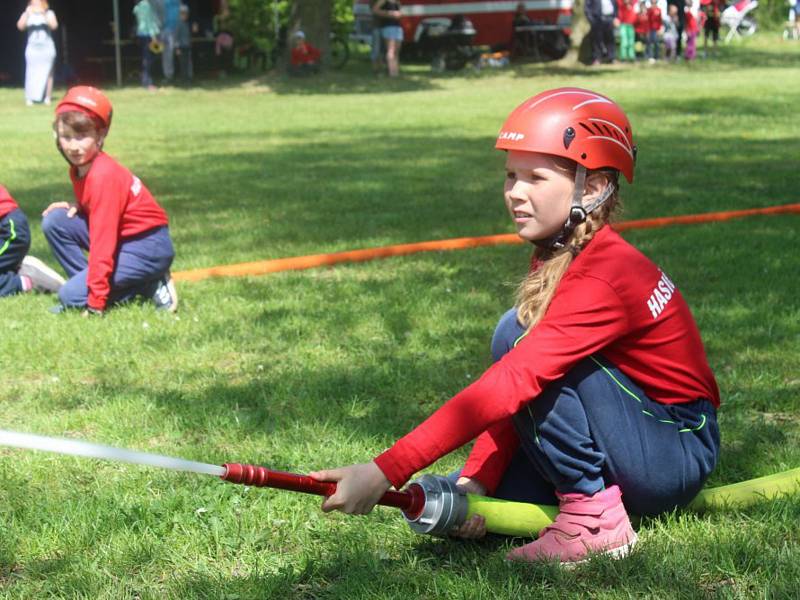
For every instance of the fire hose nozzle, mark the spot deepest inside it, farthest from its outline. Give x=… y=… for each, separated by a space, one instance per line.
x=410 y=501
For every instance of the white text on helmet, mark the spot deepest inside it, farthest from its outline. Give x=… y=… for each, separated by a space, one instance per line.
x=511 y=135
x=86 y=100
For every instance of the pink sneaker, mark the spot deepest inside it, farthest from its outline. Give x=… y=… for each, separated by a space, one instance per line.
x=584 y=525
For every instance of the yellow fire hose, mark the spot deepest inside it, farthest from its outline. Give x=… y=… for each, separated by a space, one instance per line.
x=522 y=519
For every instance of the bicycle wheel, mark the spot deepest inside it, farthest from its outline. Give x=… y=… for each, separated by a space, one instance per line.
x=340 y=52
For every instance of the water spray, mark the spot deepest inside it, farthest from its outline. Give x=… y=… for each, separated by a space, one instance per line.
x=431 y=504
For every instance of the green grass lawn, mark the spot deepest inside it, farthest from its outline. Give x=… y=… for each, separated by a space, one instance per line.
x=319 y=368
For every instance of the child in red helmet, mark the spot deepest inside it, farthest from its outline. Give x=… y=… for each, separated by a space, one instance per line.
x=601 y=398
x=20 y=273
x=305 y=58
x=116 y=219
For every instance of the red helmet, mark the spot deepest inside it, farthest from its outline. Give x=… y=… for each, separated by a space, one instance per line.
x=573 y=123
x=87 y=99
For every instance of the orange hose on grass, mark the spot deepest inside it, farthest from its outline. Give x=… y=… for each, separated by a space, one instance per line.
x=262 y=267
x=297 y=263
x=707 y=217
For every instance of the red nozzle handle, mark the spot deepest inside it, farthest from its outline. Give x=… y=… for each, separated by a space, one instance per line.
x=410 y=501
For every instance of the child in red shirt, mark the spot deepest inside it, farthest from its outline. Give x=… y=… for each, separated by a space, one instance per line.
x=305 y=57
x=601 y=391
x=116 y=219
x=654 y=27
x=641 y=24
x=712 y=10
x=20 y=273
x=692 y=30
x=626 y=14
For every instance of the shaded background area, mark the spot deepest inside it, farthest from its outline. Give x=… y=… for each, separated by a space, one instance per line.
x=84 y=40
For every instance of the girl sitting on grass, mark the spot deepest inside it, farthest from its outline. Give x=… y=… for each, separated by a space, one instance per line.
x=20 y=273
x=601 y=397
x=116 y=219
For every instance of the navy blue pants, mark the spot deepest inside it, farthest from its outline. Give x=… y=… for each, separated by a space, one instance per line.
x=595 y=427
x=15 y=241
x=141 y=260
x=147 y=60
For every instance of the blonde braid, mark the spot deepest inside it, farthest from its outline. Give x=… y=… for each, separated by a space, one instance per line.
x=536 y=291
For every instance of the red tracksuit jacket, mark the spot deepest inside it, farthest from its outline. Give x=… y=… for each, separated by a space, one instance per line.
x=117 y=205
x=7 y=203
x=612 y=300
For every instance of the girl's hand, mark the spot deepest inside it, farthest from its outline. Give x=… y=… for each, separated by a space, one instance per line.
x=471 y=486
x=358 y=488
x=475 y=527
x=71 y=209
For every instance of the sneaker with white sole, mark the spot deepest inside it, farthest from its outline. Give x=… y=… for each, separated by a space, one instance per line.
x=166 y=296
x=585 y=525
x=43 y=278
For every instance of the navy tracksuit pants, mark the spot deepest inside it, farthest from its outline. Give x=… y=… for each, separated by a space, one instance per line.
x=15 y=241
x=141 y=260
x=595 y=427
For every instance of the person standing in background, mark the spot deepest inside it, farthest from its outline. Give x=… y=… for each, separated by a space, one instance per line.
x=602 y=16
x=681 y=24
x=670 y=35
x=39 y=22
x=389 y=13
x=148 y=28
x=376 y=45
x=169 y=12
x=712 y=10
x=626 y=10
x=692 y=30
x=655 y=25
x=183 y=40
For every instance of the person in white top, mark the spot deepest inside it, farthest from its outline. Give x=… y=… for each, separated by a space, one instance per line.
x=39 y=22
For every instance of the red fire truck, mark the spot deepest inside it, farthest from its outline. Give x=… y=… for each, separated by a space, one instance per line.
x=430 y=24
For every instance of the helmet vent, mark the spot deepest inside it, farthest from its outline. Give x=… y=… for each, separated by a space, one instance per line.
x=586 y=127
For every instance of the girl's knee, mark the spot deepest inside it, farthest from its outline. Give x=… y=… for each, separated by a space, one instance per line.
x=74 y=293
x=53 y=220
x=506 y=334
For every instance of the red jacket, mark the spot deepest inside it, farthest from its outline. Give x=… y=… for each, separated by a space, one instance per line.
x=305 y=54
x=626 y=12
x=614 y=301
x=654 y=21
x=641 y=24
x=117 y=205
x=7 y=203
x=691 y=23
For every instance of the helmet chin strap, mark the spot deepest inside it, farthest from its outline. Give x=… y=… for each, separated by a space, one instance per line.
x=577 y=212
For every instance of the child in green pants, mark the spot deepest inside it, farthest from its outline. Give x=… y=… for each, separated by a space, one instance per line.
x=627 y=36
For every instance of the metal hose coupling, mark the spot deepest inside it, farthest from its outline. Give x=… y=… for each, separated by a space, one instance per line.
x=444 y=507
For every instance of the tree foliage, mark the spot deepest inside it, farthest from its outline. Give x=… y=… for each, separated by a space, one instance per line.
x=255 y=20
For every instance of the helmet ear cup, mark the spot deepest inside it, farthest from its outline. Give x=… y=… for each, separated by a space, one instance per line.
x=577 y=215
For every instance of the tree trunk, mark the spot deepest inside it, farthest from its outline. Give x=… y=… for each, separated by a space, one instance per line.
x=312 y=17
